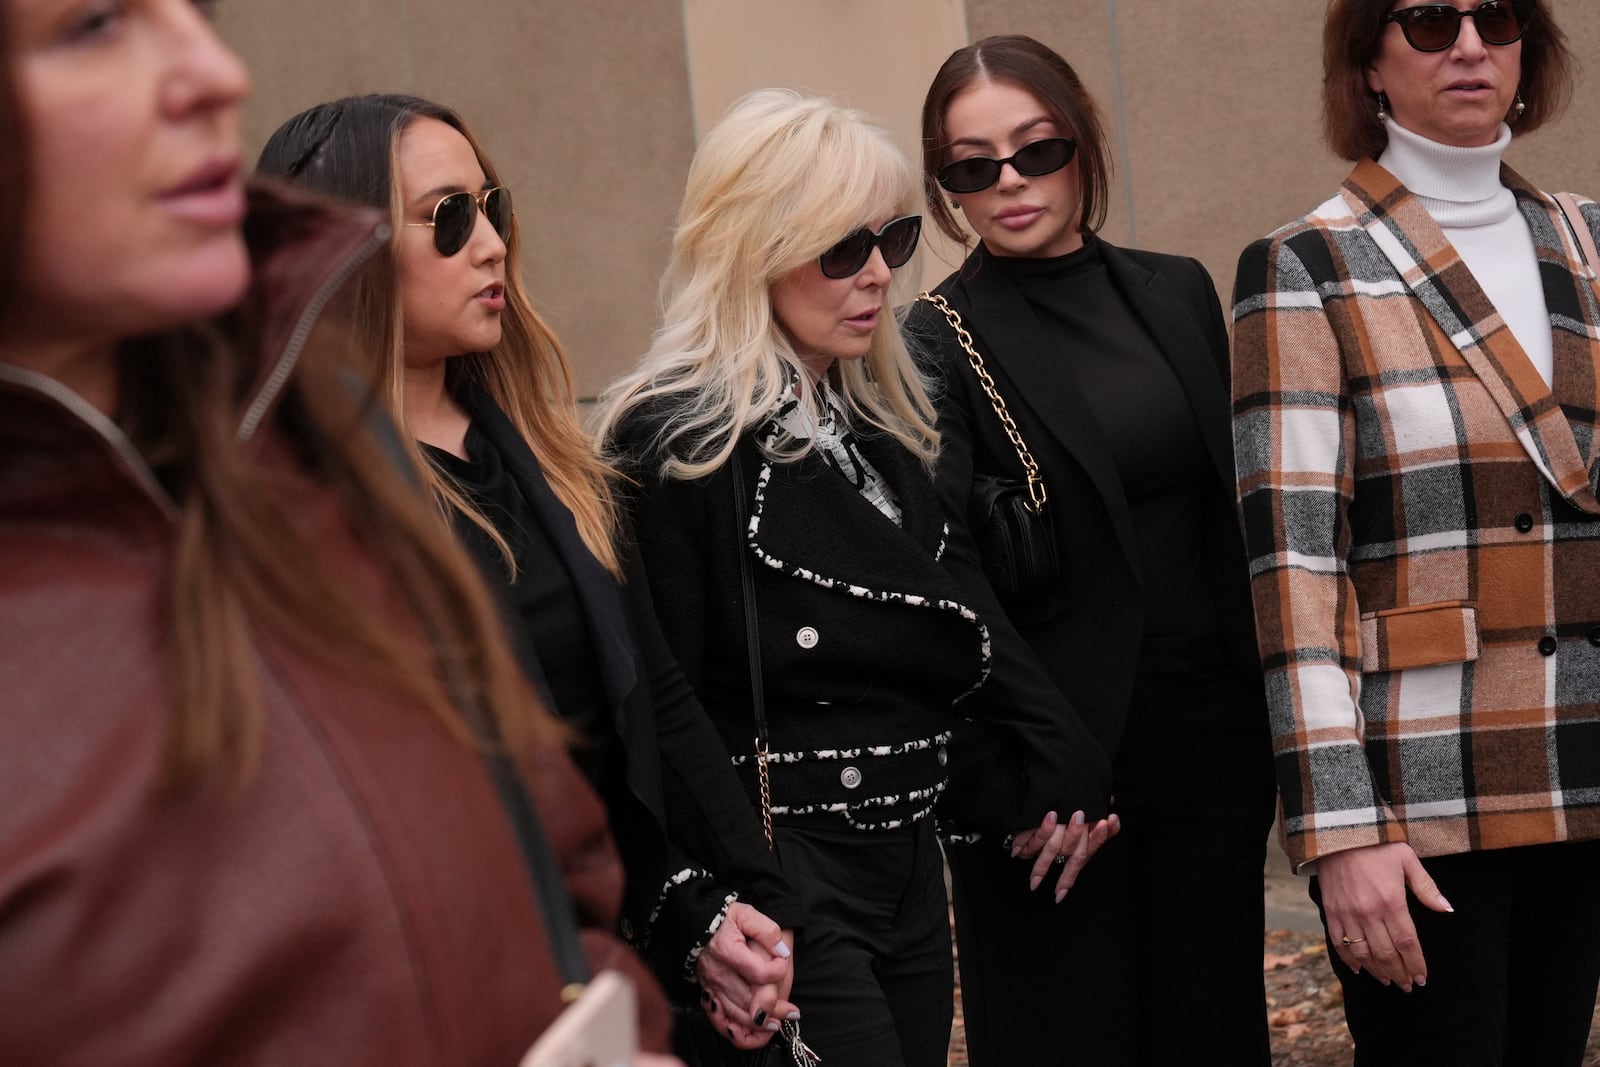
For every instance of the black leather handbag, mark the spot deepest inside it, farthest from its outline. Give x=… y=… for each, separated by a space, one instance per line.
x=1008 y=517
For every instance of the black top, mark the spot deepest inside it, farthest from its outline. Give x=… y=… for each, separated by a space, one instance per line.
x=866 y=640
x=1147 y=422
x=1077 y=653
x=542 y=593
x=683 y=826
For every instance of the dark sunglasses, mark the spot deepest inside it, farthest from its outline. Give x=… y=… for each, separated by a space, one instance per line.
x=1031 y=161
x=1435 y=27
x=454 y=217
x=897 y=239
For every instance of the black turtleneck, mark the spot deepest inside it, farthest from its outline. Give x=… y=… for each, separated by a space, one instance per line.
x=1106 y=353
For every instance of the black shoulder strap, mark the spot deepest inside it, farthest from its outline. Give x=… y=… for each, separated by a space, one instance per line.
x=555 y=904
x=747 y=581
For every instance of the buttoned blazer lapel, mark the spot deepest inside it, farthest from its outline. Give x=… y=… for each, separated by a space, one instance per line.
x=597 y=589
x=1182 y=340
x=1012 y=342
x=1431 y=269
x=809 y=521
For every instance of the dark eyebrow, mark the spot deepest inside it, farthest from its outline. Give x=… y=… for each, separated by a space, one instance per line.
x=1022 y=128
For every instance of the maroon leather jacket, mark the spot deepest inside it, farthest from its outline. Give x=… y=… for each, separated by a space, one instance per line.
x=362 y=900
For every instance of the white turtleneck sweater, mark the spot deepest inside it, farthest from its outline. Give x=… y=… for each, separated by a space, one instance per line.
x=1460 y=188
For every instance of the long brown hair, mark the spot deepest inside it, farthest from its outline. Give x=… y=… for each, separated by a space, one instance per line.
x=1025 y=63
x=349 y=148
x=1351 y=36
x=241 y=564
x=12 y=174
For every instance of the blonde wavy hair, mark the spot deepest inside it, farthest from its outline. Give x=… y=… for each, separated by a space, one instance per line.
x=350 y=148
x=780 y=179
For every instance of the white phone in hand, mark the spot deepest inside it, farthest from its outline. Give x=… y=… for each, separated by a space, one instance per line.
x=599 y=1029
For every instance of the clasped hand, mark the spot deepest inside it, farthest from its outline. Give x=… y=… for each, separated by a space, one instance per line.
x=745 y=973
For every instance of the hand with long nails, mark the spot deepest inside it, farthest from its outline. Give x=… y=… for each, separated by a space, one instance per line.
x=1069 y=845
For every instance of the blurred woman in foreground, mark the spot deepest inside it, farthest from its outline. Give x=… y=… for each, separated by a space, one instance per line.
x=248 y=679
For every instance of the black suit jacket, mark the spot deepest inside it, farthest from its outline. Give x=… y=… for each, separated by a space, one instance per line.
x=684 y=809
x=1078 y=650
x=866 y=639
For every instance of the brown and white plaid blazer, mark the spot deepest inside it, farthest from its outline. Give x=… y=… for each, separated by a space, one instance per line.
x=1421 y=518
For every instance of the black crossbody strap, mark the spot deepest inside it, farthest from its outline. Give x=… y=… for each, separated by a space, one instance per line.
x=556 y=907
x=798 y=1050
x=752 y=637
x=549 y=887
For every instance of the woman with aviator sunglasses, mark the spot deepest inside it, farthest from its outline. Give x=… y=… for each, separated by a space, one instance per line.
x=782 y=444
x=1415 y=384
x=1112 y=363
x=483 y=385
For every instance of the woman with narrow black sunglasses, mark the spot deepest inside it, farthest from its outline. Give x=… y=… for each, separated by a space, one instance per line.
x=1111 y=364
x=483 y=385
x=1415 y=368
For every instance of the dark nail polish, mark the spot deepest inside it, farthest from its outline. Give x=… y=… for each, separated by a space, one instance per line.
x=761 y=1017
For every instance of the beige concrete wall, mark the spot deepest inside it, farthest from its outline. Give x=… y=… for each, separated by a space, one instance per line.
x=876 y=55
x=1215 y=105
x=590 y=110
x=584 y=108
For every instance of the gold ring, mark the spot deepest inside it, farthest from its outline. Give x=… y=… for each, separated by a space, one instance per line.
x=1348 y=941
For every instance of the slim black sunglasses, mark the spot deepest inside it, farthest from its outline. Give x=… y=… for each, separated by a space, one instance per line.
x=897 y=239
x=1435 y=27
x=454 y=216
x=1035 y=160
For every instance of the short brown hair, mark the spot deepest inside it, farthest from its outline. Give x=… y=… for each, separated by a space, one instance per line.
x=1027 y=64
x=1350 y=38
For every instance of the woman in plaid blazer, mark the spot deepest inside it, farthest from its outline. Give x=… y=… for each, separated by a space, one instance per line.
x=1415 y=397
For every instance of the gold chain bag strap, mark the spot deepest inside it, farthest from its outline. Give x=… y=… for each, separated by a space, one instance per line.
x=799 y=1052
x=1008 y=518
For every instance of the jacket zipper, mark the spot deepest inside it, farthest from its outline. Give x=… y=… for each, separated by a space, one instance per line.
x=112 y=434
x=92 y=417
x=302 y=331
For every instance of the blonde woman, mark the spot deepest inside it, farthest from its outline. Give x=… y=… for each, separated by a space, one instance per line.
x=482 y=384
x=782 y=443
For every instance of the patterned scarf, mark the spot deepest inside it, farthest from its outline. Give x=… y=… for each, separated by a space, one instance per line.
x=836 y=442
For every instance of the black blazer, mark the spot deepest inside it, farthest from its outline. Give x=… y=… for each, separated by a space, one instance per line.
x=1082 y=643
x=866 y=639
x=685 y=811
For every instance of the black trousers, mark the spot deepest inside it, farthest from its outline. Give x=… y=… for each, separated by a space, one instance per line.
x=1512 y=972
x=873 y=975
x=1154 y=957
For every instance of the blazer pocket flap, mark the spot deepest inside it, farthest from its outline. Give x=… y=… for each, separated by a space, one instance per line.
x=1423 y=635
